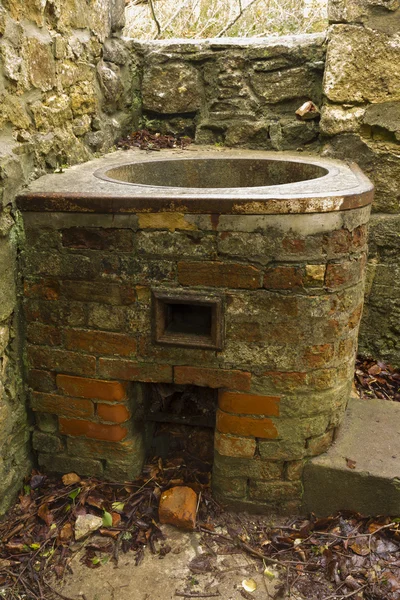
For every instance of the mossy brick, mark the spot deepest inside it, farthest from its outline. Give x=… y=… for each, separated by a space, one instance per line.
x=234 y=446
x=46 y=422
x=45 y=442
x=118 y=470
x=279 y=381
x=45 y=335
x=61 y=361
x=106 y=317
x=164 y=244
x=219 y=274
x=275 y=491
x=318 y=356
x=62 y=463
x=99 y=389
x=61 y=405
x=248 y=404
x=98 y=238
x=256 y=467
x=134 y=371
x=123 y=451
x=97 y=431
x=319 y=444
x=302 y=428
x=105 y=292
x=282 y=450
x=42 y=381
x=231 y=487
x=47 y=289
x=308 y=404
x=100 y=343
x=294 y=470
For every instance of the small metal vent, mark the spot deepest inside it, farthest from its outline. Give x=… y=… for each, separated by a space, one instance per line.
x=187 y=320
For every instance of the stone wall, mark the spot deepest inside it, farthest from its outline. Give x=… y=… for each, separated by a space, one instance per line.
x=361 y=121
x=64 y=95
x=233 y=92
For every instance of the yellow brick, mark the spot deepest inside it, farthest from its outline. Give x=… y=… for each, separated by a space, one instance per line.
x=169 y=221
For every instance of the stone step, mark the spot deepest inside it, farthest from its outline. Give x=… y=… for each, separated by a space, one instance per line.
x=361 y=471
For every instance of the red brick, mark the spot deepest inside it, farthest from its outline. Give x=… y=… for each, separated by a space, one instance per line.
x=97 y=431
x=92 y=388
x=98 y=238
x=133 y=371
x=48 y=289
x=113 y=413
x=100 y=342
x=248 y=404
x=245 y=426
x=46 y=335
x=60 y=405
x=218 y=274
x=283 y=278
x=213 y=378
x=238 y=447
x=178 y=506
x=345 y=273
x=318 y=356
x=105 y=292
x=61 y=360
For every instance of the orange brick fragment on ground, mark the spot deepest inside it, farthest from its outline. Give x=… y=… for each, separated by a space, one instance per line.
x=178 y=507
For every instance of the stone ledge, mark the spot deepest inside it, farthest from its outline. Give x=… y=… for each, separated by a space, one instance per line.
x=370 y=438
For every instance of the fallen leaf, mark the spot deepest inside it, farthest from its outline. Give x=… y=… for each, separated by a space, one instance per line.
x=351 y=463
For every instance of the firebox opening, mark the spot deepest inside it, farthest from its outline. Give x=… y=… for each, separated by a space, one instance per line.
x=196 y=322
x=182 y=422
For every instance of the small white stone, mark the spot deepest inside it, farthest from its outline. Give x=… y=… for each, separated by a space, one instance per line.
x=86 y=524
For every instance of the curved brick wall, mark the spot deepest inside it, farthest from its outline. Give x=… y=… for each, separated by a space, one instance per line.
x=292 y=286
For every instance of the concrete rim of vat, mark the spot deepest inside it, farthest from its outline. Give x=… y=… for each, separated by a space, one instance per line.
x=122 y=183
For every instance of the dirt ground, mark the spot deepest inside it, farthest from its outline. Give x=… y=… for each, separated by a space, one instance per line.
x=170 y=577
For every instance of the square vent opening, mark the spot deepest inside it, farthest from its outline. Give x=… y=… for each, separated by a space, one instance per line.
x=192 y=321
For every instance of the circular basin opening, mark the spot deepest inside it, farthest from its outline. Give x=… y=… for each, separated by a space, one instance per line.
x=214 y=173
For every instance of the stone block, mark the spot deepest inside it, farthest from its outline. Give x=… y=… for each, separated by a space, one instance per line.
x=172 y=88
x=45 y=442
x=351 y=73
